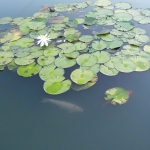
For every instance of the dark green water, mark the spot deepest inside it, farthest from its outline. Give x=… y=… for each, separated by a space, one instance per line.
x=28 y=124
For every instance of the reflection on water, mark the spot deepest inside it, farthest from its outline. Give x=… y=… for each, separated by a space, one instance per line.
x=28 y=124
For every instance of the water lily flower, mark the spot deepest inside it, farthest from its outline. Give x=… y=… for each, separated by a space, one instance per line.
x=43 y=40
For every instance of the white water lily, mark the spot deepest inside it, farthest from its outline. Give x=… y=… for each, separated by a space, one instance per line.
x=43 y=40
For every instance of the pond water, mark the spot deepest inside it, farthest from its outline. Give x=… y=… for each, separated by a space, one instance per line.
x=28 y=124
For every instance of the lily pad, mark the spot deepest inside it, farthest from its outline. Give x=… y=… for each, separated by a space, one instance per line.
x=122 y=16
x=86 y=60
x=81 y=77
x=142 y=64
x=86 y=38
x=89 y=84
x=124 y=26
x=45 y=60
x=80 y=46
x=125 y=66
x=37 y=25
x=102 y=56
x=116 y=43
x=99 y=45
x=117 y=95
x=56 y=87
x=5 y=20
x=123 y=5
x=108 y=71
x=65 y=62
x=67 y=47
x=102 y=3
x=49 y=72
x=107 y=37
x=24 y=60
x=29 y=70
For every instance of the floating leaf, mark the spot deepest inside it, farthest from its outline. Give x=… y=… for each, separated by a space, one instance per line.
x=107 y=37
x=56 y=87
x=24 y=60
x=67 y=47
x=86 y=60
x=102 y=56
x=86 y=38
x=89 y=84
x=123 y=5
x=122 y=16
x=116 y=43
x=102 y=3
x=99 y=45
x=117 y=95
x=125 y=66
x=37 y=25
x=28 y=70
x=17 y=34
x=49 y=72
x=141 y=63
x=5 y=20
x=81 y=77
x=124 y=25
x=108 y=71
x=65 y=62
x=45 y=60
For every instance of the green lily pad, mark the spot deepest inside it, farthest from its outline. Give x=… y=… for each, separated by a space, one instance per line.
x=65 y=62
x=90 y=21
x=99 y=45
x=86 y=60
x=122 y=16
x=107 y=37
x=5 y=20
x=102 y=3
x=56 y=87
x=142 y=38
x=142 y=64
x=12 y=65
x=124 y=26
x=89 y=84
x=45 y=60
x=24 y=60
x=138 y=31
x=49 y=72
x=80 y=46
x=51 y=51
x=108 y=71
x=5 y=37
x=102 y=56
x=123 y=5
x=23 y=42
x=29 y=70
x=117 y=95
x=146 y=12
x=81 y=77
x=86 y=38
x=37 y=25
x=125 y=66
x=116 y=43
x=67 y=47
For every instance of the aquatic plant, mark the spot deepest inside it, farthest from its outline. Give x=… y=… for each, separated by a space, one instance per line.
x=113 y=44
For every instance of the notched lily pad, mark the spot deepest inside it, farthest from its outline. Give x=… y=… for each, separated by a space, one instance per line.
x=55 y=87
x=117 y=95
x=29 y=70
x=81 y=77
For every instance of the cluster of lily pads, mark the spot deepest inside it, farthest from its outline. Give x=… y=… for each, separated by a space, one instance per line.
x=114 y=43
